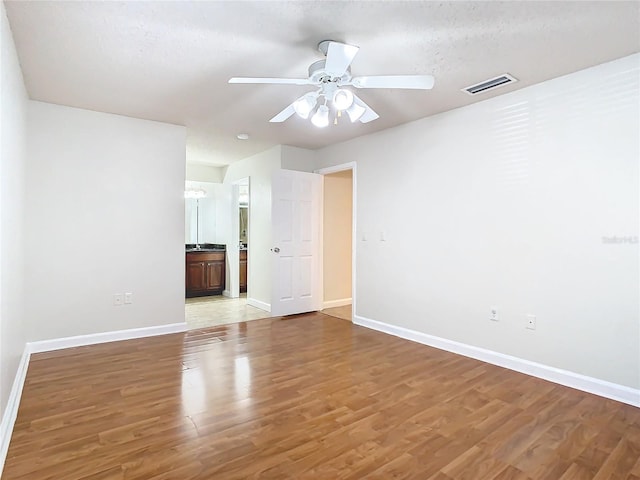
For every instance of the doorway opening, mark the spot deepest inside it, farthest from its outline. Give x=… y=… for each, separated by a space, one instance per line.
x=338 y=241
x=226 y=223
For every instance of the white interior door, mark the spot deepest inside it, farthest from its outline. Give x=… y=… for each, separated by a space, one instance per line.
x=296 y=213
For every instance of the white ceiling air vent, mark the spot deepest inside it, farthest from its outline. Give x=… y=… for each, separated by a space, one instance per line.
x=490 y=84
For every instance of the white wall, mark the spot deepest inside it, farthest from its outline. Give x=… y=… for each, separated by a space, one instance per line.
x=104 y=215
x=13 y=106
x=204 y=173
x=300 y=159
x=337 y=235
x=505 y=203
x=258 y=168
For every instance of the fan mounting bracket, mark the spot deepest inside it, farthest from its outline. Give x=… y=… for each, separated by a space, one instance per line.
x=323 y=46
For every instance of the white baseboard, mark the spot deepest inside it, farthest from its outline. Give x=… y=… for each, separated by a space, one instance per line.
x=226 y=293
x=341 y=302
x=11 y=411
x=81 y=340
x=578 y=381
x=258 y=304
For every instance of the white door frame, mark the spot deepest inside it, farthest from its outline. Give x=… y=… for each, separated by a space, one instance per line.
x=233 y=250
x=340 y=168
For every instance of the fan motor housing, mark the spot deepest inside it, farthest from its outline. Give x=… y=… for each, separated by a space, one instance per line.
x=317 y=73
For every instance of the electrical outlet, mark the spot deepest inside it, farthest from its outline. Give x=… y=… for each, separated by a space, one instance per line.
x=117 y=299
x=531 y=322
x=493 y=314
x=128 y=298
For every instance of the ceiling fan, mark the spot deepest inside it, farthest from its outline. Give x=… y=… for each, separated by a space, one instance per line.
x=330 y=76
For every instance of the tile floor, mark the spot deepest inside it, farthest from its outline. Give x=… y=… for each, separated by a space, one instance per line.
x=202 y=312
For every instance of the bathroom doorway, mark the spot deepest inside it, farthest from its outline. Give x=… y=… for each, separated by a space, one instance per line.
x=233 y=229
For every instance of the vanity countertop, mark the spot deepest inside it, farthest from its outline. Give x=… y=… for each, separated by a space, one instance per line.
x=196 y=250
x=205 y=247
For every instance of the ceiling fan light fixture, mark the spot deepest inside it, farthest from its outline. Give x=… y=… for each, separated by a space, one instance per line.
x=355 y=111
x=321 y=118
x=329 y=76
x=305 y=105
x=342 y=99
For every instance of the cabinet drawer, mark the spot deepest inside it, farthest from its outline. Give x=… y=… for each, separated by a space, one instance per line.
x=205 y=256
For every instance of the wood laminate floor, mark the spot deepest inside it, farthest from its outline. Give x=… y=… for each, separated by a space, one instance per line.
x=306 y=397
x=343 y=312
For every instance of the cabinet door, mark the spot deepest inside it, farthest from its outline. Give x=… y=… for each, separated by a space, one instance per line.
x=215 y=275
x=195 y=276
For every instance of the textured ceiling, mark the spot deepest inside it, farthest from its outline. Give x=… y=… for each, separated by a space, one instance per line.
x=170 y=61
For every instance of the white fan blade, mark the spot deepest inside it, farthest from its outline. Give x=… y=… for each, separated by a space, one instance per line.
x=417 y=82
x=284 y=114
x=339 y=57
x=369 y=115
x=274 y=81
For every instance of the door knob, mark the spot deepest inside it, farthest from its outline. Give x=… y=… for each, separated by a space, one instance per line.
x=275 y=249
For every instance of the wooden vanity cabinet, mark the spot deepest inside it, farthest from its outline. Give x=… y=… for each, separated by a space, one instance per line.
x=205 y=273
x=243 y=271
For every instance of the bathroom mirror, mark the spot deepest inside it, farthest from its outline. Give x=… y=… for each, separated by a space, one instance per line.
x=244 y=224
x=243 y=204
x=200 y=213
